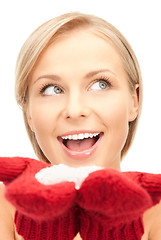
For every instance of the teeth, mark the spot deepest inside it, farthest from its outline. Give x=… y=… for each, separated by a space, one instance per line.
x=80 y=136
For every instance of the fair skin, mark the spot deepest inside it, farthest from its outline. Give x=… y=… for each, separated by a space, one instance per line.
x=69 y=93
x=77 y=68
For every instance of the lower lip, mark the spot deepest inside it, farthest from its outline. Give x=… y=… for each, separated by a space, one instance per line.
x=83 y=154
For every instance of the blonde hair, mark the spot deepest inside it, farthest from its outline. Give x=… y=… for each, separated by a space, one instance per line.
x=54 y=29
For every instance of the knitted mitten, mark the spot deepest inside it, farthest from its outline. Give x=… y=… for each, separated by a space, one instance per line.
x=43 y=211
x=113 y=204
x=108 y=203
x=150 y=182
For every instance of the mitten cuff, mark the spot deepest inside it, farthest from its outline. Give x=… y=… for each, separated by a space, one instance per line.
x=91 y=229
x=150 y=182
x=62 y=228
x=10 y=168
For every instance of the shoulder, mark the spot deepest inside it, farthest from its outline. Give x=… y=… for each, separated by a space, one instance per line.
x=152 y=223
x=6 y=218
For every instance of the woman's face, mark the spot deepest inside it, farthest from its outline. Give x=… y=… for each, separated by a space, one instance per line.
x=80 y=103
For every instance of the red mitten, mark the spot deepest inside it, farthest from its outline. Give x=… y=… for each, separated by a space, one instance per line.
x=150 y=182
x=43 y=211
x=113 y=204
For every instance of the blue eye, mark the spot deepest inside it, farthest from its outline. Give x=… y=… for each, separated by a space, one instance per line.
x=100 y=85
x=51 y=90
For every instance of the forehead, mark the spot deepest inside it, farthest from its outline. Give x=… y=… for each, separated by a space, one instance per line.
x=81 y=50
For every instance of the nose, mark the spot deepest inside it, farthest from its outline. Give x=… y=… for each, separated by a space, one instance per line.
x=76 y=107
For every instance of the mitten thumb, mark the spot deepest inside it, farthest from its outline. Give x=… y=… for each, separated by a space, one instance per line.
x=11 y=167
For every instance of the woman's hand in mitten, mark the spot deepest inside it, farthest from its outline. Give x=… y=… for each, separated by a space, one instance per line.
x=112 y=206
x=42 y=209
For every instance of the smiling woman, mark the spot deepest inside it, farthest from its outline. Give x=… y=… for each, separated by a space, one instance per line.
x=75 y=100
x=67 y=61
x=79 y=85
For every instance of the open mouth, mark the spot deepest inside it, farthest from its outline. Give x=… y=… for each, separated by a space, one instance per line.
x=80 y=142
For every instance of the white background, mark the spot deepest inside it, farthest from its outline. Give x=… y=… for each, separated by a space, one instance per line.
x=139 y=21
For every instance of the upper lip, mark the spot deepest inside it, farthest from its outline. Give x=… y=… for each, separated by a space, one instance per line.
x=73 y=132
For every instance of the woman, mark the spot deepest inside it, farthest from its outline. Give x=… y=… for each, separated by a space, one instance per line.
x=79 y=85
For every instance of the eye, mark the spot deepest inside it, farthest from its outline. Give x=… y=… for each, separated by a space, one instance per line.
x=101 y=85
x=50 y=89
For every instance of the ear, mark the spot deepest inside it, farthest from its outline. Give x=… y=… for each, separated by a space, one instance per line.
x=134 y=106
x=29 y=119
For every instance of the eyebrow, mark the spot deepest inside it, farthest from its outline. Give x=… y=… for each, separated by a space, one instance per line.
x=48 y=76
x=88 y=75
x=93 y=73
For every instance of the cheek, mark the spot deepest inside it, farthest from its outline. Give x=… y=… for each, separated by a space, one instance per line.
x=115 y=117
x=114 y=109
x=117 y=127
x=43 y=117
